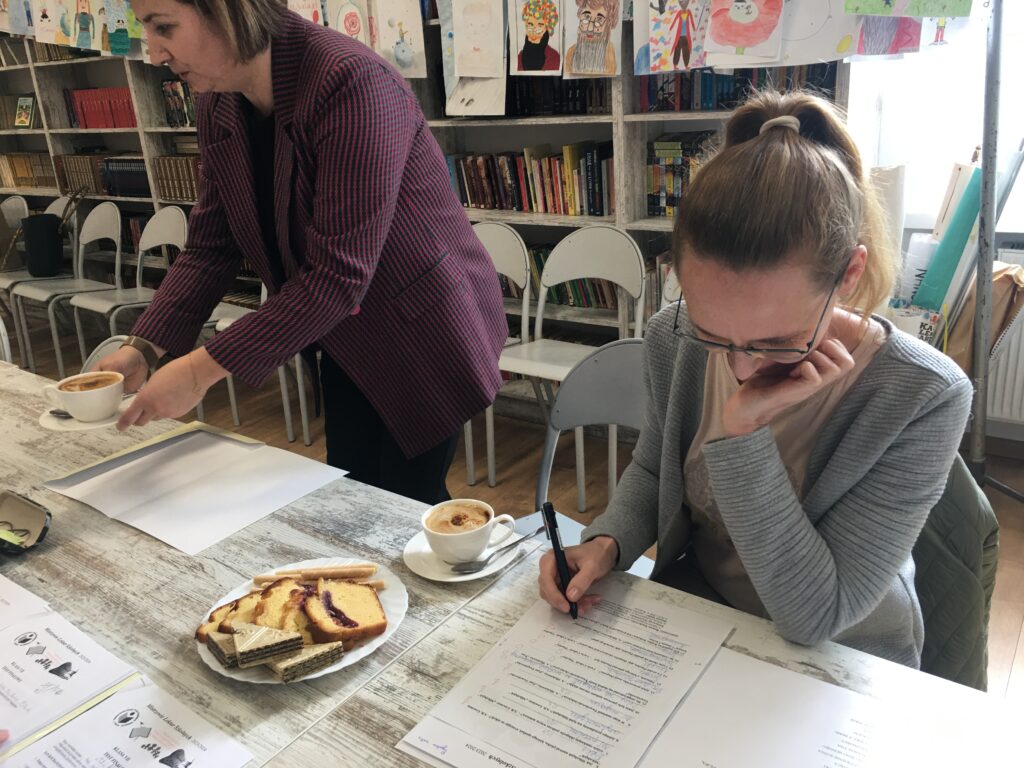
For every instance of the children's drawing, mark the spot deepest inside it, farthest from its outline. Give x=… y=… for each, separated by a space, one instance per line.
x=467 y=95
x=117 y=22
x=675 y=34
x=746 y=28
x=536 y=30
x=815 y=31
x=19 y=17
x=307 y=9
x=889 y=35
x=350 y=17
x=399 y=35
x=594 y=42
x=44 y=14
x=480 y=38
x=86 y=35
x=918 y=8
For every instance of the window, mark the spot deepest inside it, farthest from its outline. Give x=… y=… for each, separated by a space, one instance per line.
x=925 y=110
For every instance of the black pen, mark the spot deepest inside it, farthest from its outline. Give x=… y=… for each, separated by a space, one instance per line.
x=556 y=546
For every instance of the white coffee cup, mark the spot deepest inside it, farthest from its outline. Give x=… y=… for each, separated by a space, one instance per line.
x=84 y=402
x=468 y=545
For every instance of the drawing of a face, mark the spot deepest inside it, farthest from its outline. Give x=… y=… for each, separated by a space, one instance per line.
x=743 y=12
x=84 y=7
x=596 y=19
x=540 y=17
x=477 y=20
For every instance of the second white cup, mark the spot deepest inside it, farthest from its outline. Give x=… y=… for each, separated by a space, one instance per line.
x=458 y=531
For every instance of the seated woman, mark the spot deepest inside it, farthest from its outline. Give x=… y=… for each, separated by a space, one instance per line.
x=794 y=443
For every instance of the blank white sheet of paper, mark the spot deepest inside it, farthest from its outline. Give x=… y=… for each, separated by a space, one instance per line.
x=747 y=712
x=556 y=693
x=197 y=488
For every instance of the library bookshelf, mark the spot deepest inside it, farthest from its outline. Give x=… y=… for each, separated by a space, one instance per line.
x=621 y=122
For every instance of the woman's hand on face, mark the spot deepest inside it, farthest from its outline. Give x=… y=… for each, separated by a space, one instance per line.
x=763 y=396
x=587 y=562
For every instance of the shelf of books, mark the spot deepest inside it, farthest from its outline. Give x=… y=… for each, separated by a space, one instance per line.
x=565 y=153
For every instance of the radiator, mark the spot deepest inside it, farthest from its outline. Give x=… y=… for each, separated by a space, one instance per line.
x=1006 y=374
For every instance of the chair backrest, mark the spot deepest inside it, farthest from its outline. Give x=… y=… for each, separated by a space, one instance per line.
x=105 y=348
x=102 y=223
x=57 y=208
x=5 y=343
x=605 y=387
x=599 y=251
x=511 y=258
x=168 y=226
x=14 y=209
x=955 y=560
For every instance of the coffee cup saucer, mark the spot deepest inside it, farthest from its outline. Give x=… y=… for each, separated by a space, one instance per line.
x=51 y=422
x=423 y=562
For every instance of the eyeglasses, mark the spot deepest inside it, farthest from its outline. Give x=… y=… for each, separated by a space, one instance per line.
x=774 y=354
x=596 y=21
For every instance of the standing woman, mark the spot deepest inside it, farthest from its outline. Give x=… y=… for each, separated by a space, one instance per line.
x=319 y=170
x=794 y=443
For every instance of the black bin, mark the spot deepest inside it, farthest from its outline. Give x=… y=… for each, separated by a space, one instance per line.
x=44 y=246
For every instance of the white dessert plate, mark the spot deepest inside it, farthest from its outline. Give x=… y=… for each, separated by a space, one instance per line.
x=393 y=598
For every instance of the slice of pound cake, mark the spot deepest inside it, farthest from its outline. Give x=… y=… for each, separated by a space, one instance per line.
x=281 y=608
x=343 y=611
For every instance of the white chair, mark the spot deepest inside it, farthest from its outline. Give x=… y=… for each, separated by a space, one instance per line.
x=168 y=227
x=229 y=313
x=512 y=259
x=102 y=223
x=14 y=209
x=600 y=252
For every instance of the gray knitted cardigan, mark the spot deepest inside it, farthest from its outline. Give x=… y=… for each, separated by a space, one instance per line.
x=838 y=565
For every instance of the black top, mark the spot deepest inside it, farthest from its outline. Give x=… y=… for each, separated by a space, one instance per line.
x=261 y=145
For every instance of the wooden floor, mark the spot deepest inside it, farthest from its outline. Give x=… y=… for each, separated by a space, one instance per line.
x=518 y=457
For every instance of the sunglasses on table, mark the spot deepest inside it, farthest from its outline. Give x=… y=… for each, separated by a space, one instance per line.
x=773 y=354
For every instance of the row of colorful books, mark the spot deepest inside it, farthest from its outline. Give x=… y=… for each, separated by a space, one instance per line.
x=26 y=169
x=52 y=52
x=541 y=96
x=672 y=159
x=705 y=89
x=100 y=108
x=102 y=174
x=579 y=181
x=177 y=177
x=179 y=106
x=585 y=292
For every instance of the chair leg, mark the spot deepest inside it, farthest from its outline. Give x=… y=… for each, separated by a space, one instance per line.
x=286 y=402
x=489 y=430
x=230 y=381
x=17 y=329
x=80 y=334
x=300 y=382
x=581 y=472
x=51 y=313
x=200 y=411
x=20 y=307
x=542 y=403
x=467 y=438
x=613 y=458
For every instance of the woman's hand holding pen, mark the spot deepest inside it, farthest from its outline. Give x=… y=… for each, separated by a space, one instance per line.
x=766 y=394
x=174 y=389
x=588 y=562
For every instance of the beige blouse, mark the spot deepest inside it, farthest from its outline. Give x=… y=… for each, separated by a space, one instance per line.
x=795 y=431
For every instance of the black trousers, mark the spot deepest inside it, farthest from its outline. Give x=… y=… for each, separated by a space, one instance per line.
x=360 y=442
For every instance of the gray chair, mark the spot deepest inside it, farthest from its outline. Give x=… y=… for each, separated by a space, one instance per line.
x=605 y=387
x=5 y=343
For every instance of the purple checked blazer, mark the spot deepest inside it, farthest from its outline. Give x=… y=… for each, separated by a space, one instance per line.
x=382 y=267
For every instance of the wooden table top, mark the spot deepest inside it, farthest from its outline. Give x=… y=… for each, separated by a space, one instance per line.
x=142 y=600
